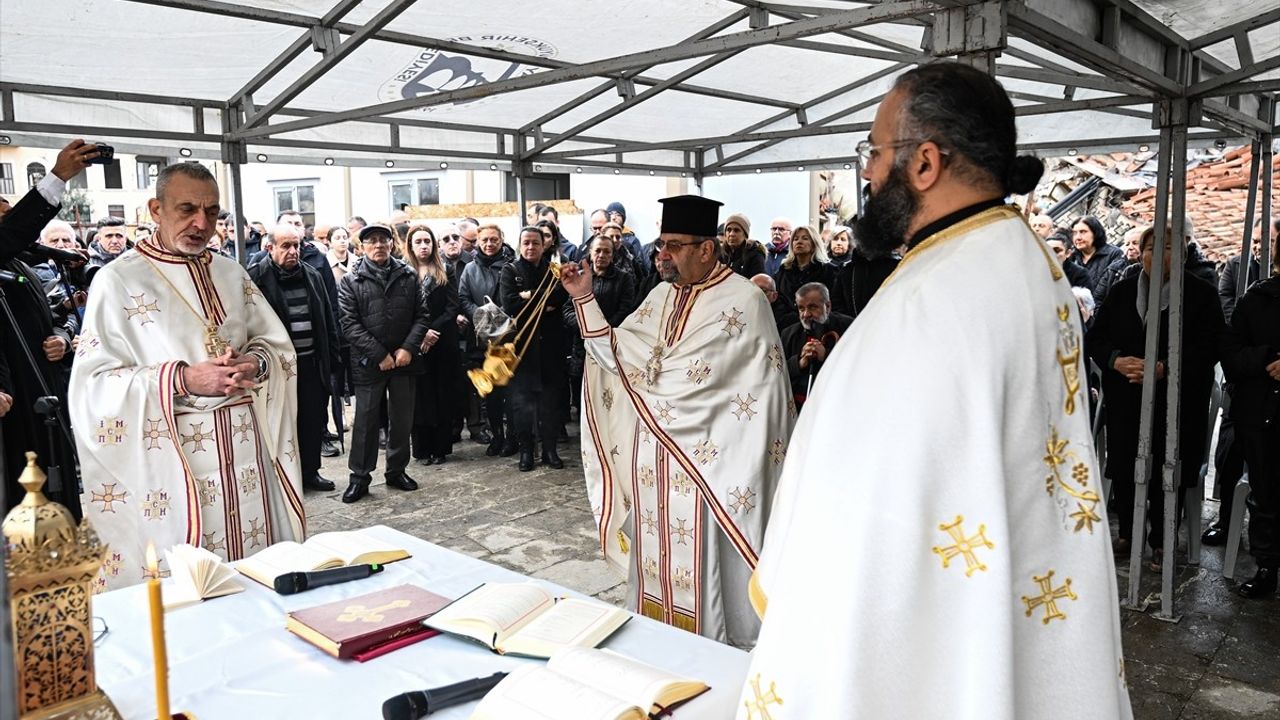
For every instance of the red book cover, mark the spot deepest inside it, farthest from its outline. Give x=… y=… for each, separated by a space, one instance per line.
x=356 y=624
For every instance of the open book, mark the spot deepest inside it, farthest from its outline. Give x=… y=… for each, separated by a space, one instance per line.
x=586 y=684
x=524 y=619
x=319 y=552
x=196 y=574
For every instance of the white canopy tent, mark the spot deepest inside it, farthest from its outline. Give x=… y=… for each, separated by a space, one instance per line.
x=664 y=87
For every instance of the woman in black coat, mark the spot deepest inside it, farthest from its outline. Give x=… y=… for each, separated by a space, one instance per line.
x=1092 y=253
x=742 y=254
x=1116 y=341
x=477 y=286
x=540 y=378
x=1251 y=360
x=806 y=262
x=615 y=291
x=437 y=397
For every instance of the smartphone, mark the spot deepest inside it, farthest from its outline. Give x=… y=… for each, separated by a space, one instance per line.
x=106 y=154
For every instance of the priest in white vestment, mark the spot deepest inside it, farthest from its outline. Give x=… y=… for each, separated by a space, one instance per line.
x=183 y=396
x=939 y=545
x=686 y=414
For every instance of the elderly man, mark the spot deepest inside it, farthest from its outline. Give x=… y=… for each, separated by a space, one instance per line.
x=183 y=395
x=685 y=422
x=979 y=474
x=63 y=283
x=784 y=316
x=808 y=342
x=384 y=321
x=778 y=245
x=295 y=291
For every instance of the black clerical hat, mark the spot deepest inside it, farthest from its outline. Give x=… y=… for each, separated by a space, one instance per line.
x=690 y=215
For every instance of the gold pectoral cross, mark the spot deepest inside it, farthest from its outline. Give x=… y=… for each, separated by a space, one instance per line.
x=213 y=342
x=653 y=366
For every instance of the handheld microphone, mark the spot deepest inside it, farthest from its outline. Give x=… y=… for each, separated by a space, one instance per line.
x=44 y=252
x=6 y=276
x=420 y=703
x=296 y=582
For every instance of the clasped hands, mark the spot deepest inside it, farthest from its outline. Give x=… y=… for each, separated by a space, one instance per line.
x=813 y=350
x=228 y=374
x=399 y=358
x=1132 y=368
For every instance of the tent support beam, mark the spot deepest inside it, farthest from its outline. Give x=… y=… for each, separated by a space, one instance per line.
x=1246 y=251
x=295 y=49
x=604 y=87
x=317 y=71
x=620 y=63
x=1244 y=26
x=1215 y=83
x=93 y=94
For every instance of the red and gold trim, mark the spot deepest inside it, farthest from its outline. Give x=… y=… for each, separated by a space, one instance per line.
x=606 y=469
x=687 y=298
x=166 y=373
x=230 y=486
x=721 y=514
x=587 y=333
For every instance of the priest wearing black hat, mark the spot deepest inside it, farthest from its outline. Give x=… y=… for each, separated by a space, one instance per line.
x=685 y=422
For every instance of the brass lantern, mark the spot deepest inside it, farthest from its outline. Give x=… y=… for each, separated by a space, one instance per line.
x=51 y=566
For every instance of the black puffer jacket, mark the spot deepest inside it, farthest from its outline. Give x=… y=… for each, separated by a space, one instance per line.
x=1249 y=344
x=615 y=291
x=379 y=316
x=547 y=347
x=747 y=259
x=858 y=281
x=790 y=279
x=1103 y=256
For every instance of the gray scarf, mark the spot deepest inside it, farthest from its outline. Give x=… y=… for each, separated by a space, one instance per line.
x=1144 y=290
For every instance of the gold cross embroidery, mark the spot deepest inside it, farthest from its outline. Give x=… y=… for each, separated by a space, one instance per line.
x=964 y=547
x=1049 y=597
x=197 y=437
x=243 y=428
x=253 y=533
x=758 y=707
x=680 y=532
x=109 y=496
x=142 y=307
x=360 y=613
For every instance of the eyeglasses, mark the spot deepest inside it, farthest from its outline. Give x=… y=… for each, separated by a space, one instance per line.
x=661 y=245
x=452 y=237
x=777 y=229
x=378 y=240
x=866 y=151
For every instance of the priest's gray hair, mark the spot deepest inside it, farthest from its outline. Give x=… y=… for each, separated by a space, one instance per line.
x=817 y=287
x=190 y=168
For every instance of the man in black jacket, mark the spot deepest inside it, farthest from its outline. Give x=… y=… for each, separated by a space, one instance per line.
x=22 y=429
x=808 y=342
x=295 y=291
x=383 y=318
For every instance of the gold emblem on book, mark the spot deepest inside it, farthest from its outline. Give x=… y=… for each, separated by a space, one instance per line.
x=1049 y=597
x=360 y=613
x=965 y=547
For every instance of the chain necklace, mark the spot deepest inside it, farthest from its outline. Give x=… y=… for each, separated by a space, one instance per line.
x=214 y=344
x=653 y=366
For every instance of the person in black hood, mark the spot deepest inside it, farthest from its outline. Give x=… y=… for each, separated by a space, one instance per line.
x=1251 y=361
x=540 y=377
x=1092 y=253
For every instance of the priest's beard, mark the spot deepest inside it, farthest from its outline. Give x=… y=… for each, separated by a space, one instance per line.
x=887 y=214
x=668 y=271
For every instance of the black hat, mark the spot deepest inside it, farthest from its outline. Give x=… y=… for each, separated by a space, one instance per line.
x=375 y=229
x=690 y=215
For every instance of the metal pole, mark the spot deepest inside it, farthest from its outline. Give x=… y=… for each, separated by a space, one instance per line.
x=1268 y=155
x=1246 y=251
x=1142 y=466
x=857 y=186
x=1173 y=369
x=237 y=210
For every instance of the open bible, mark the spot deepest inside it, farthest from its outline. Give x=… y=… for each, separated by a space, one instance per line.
x=524 y=619
x=319 y=552
x=587 y=684
x=196 y=574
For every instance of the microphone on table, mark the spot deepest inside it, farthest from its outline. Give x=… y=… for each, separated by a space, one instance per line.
x=420 y=703
x=296 y=582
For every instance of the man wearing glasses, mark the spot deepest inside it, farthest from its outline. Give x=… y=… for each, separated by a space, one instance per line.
x=779 y=242
x=960 y=508
x=686 y=415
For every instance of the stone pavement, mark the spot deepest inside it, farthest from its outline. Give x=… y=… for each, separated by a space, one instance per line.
x=1222 y=660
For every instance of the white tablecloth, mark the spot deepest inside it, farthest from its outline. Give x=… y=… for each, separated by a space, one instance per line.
x=231 y=657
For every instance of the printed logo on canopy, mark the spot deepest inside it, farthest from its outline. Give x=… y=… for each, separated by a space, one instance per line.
x=435 y=71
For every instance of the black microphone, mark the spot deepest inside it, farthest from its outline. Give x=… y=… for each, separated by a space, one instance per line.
x=296 y=582
x=420 y=703
x=6 y=276
x=44 y=252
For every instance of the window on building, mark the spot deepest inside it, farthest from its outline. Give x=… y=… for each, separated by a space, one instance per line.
x=111 y=174
x=414 y=191
x=35 y=173
x=6 y=178
x=116 y=211
x=148 y=169
x=541 y=186
x=300 y=198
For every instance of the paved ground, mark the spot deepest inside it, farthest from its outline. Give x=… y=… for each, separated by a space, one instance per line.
x=1222 y=660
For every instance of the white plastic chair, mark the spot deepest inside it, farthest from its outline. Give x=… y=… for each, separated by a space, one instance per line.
x=1236 y=526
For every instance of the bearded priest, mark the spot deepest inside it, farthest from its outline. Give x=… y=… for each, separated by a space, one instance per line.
x=183 y=395
x=945 y=463
x=686 y=414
